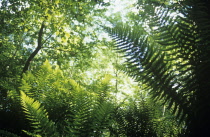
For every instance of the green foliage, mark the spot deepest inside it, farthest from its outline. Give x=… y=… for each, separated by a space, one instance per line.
x=74 y=110
x=80 y=89
x=170 y=58
x=140 y=116
x=135 y=120
x=65 y=22
x=7 y=134
x=38 y=117
x=77 y=111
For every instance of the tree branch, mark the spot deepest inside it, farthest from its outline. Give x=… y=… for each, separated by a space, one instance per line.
x=39 y=46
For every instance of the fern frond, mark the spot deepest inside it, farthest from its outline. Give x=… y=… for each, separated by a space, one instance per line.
x=37 y=115
x=78 y=118
x=149 y=58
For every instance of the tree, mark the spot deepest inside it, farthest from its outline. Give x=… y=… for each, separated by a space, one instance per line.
x=32 y=31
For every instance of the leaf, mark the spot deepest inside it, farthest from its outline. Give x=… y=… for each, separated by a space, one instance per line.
x=37 y=116
x=106 y=79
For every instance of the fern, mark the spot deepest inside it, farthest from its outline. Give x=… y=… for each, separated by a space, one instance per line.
x=170 y=60
x=38 y=117
x=187 y=38
x=79 y=117
x=102 y=115
x=134 y=120
x=76 y=111
x=146 y=62
x=90 y=113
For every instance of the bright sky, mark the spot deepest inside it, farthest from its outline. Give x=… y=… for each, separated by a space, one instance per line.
x=122 y=6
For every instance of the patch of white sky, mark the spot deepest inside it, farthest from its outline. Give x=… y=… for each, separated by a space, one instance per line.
x=120 y=6
x=23 y=5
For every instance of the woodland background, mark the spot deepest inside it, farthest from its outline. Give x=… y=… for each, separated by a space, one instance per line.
x=84 y=68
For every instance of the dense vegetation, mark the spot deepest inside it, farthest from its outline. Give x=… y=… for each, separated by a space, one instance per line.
x=62 y=75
